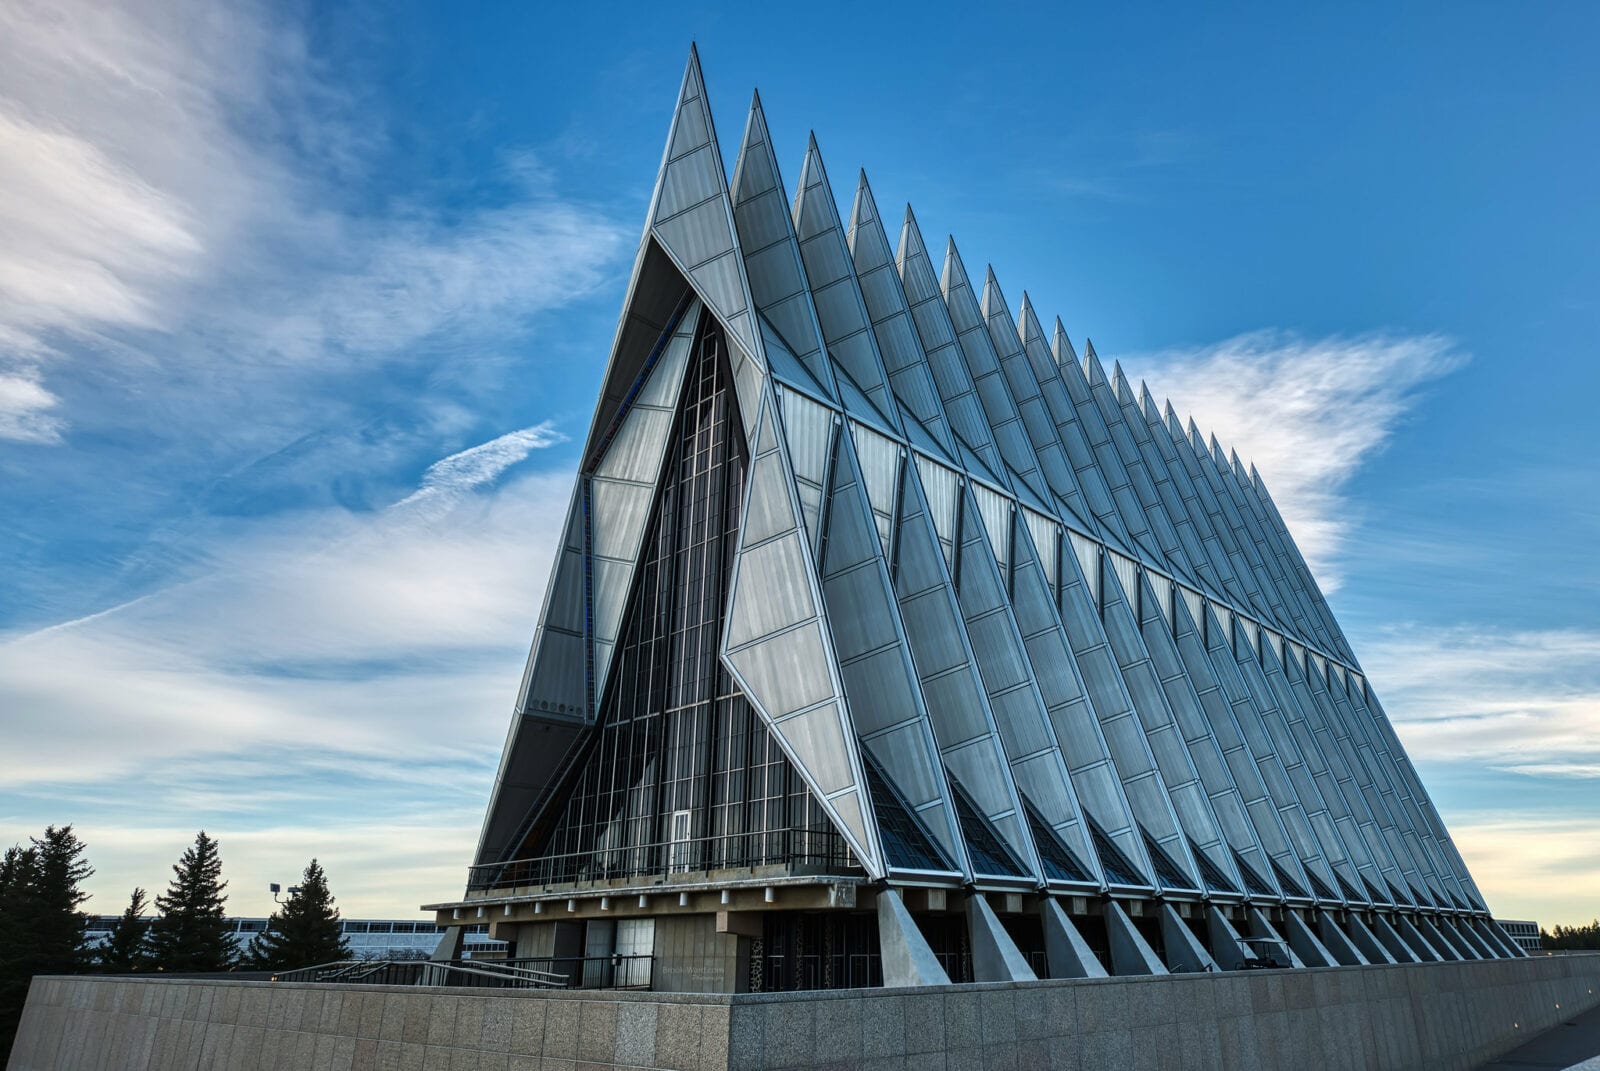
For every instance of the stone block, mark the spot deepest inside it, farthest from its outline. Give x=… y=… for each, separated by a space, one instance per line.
x=838 y=1030
x=441 y=1021
x=597 y=1031
x=561 y=1030
x=468 y=1031
x=636 y=1034
x=883 y=1025
x=678 y=1031
x=497 y=1014
x=926 y=1023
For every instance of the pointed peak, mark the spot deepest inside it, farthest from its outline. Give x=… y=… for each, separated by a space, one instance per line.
x=694 y=82
x=910 y=219
x=1092 y=368
x=1028 y=325
x=1061 y=345
x=863 y=209
x=755 y=99
x=994 y=299
x=954 y=275
x=1174 y=425
x=1147 y=403
x=811 y=146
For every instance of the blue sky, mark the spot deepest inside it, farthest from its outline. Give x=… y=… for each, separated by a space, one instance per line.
x=303 y=310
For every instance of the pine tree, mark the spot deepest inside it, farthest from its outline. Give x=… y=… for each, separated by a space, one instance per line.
x=191 y=934
x=305 y=931
x=41 y=929
x=127 y=947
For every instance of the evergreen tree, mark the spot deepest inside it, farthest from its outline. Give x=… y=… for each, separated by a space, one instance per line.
x=127 y=947
x=305 y=931
x=191 y=934
x=41 y=929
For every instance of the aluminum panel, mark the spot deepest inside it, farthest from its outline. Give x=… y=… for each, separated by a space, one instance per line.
x=996 y=513
x=1088 y=554
x=619 y=513
x=772 y=592
x=767 y=511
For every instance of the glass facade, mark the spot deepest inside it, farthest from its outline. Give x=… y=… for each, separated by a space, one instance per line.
x=681 y=775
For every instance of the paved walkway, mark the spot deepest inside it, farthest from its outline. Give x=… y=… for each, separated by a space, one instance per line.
x=1574 y=1045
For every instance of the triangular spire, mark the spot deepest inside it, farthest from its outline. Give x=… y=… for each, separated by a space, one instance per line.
x=1092 y=369
x=841 y=309
x=890 y=313
x=691 y=216
x=1061 y=345
x=771 y=254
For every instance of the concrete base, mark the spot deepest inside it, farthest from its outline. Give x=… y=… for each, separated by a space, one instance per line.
x=1433 y=1015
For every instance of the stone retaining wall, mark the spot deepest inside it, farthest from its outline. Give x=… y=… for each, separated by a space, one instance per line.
x=1435 y=1015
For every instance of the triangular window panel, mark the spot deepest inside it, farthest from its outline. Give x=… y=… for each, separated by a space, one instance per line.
x=1374 y=895
x=988 y=852
x=784 y=365
x=1254 y=883
x=1168 y=873
x=1320 y=887
x=1210 y=873
x=1289 y=885
x=1349 y=890
x=906 y=841
x=1116 y=867
x=1058 y=861
x=1421 y=898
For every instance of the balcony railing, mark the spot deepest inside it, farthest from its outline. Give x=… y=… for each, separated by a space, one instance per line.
x=803 y=849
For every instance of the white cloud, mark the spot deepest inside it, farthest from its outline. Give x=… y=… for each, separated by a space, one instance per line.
x=357 y=633
x=472 y=468
x=175 y=200
x=25 y=408
x=1523 y=701
x=1308 y=413
x=1533 y=865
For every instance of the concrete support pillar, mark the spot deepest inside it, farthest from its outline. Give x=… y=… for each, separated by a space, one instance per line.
x=1496 y=933
x=1306 y=945
x=1417 y=942
x=449 y=946
x=1335 y=941
x=907 y=959
x=995 y=956
x=1448 y=937
x=1226 y=947
x=1368 y=942
x=1069 y=954
x=1130 y=953
x=1397 y=946
x=1440 y=943
x=1185 y=953
x=1260 y=927
x=1462 y=930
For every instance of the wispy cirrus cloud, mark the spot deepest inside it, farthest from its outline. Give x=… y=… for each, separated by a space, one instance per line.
x=1309 y=413
x=1521 y=701
x=176 y=217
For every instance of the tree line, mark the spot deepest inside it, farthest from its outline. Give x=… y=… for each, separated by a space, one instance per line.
x=1571 y=938
x=43 y=930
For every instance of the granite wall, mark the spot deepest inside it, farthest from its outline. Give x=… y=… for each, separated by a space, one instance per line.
x=1435 y=1015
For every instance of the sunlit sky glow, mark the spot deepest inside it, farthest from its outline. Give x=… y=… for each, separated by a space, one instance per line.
x=303 y=310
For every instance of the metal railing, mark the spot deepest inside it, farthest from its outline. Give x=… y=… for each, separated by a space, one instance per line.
x=546 y=972
x=780 y=847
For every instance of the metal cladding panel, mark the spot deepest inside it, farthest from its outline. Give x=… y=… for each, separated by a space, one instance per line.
x=635 y=455
x=1160 y=595
x=690 y=213
x=880 y=681
x=890 y=312
x=1087 y=551
x=619 y=513
x=767 y=512
x=772 y=592
x=809 y=429
x=553 y=680
x=841 y=309
x=1046 y=537
x=880 y=459
x=996 y=512
x=943 y=490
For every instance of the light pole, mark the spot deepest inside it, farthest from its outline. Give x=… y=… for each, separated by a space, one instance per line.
x=294 y=890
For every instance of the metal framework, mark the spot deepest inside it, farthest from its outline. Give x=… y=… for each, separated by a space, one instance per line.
x=867 y=576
